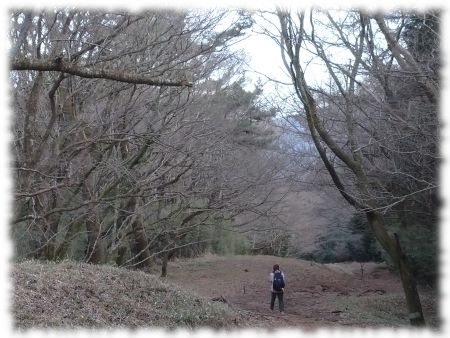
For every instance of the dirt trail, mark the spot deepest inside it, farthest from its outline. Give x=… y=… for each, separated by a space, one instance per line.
x=312 y=291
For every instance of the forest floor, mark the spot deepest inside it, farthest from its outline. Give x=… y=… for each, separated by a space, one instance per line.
x=227 y=292
x=316 y=295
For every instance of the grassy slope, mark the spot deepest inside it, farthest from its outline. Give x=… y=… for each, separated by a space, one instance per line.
x=70 y=295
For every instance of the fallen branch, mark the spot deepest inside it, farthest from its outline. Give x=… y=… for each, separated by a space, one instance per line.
x=219 y=299
x=377 y=291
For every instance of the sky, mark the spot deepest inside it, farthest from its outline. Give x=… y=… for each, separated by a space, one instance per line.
x=265 y=58
x=265 y=61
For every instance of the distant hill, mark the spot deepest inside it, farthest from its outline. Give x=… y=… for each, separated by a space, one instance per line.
x=311 y=213
x=308 y=215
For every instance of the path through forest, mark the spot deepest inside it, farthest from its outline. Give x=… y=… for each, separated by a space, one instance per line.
x=316 y=295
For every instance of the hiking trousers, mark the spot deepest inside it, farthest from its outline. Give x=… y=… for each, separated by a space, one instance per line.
x=280 y=301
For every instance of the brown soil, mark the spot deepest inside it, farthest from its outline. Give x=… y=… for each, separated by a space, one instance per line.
x=316 y=295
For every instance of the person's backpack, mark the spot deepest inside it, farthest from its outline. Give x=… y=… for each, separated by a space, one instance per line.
x=278 y=281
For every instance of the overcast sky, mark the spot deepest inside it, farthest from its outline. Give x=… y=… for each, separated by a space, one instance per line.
x=265 y=61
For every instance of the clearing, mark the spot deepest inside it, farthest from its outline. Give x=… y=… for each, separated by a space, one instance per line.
x=316 y=295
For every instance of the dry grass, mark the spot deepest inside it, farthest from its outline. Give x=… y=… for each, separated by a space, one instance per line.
x=75 y=295
x=387 y=310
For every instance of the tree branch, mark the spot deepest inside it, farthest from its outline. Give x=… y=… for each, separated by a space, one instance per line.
x=60 y=65
x=407 y=61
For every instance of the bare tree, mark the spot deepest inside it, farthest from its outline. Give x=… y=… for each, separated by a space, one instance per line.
x=340 y=114
x=124 y=148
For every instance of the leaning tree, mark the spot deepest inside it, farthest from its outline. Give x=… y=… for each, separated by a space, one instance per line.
x=375 y=85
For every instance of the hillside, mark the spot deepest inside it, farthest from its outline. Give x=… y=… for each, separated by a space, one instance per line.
x=211 y=291
x=309 y=214
x=71 y=295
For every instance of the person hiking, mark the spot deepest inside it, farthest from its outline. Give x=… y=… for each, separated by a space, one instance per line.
x=277 y=281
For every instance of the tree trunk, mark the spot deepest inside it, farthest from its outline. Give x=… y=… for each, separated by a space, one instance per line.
x=95 y=243
x=140 y=244
x=94 y=250
x=51 y=230
x=409 y=287
x=120 y=258
x=165 y=260
x=63 y=248
x=393 y=248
